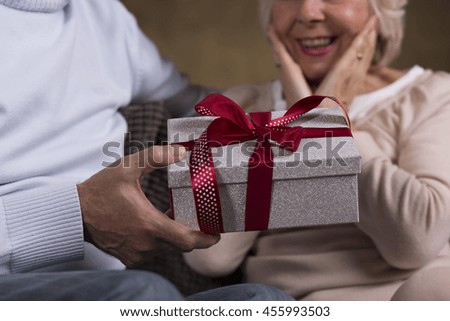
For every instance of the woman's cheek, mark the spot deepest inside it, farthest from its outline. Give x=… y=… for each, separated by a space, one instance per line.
x=283 y=18
x=354 y=18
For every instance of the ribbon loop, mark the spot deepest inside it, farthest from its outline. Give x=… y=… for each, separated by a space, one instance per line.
x=218 y=105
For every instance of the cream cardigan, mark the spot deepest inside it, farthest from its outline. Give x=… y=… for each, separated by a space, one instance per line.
x=404 y=207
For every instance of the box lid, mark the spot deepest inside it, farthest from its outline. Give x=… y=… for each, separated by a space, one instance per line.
x=315 y=157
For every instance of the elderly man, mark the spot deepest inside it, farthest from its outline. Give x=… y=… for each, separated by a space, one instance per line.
x=66 y=68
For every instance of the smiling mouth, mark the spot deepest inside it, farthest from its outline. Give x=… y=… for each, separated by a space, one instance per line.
x=317 y=46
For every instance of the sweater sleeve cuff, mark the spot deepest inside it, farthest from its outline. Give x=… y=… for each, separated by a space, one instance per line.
x=45 y=228
x=367 y=146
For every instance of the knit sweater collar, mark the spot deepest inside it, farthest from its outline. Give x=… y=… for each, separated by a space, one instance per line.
x=46 y=6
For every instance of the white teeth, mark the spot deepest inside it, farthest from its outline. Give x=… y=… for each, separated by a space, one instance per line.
x=315 y=42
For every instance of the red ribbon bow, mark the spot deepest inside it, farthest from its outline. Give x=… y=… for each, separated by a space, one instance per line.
x=232 y=127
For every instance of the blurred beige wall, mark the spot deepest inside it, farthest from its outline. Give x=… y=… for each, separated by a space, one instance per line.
x=219 y=42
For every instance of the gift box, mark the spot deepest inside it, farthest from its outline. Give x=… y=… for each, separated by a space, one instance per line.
x=263 y=170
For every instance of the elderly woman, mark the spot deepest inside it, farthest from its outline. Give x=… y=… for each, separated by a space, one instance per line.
x=401 y=124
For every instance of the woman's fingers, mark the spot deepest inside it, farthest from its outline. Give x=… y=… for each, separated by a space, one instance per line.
x=281 y=56
x=362 y=48
x=366 y=42
x=290 y=74
x=347 y=77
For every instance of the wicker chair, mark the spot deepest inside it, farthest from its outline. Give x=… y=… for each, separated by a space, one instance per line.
x=147 y=126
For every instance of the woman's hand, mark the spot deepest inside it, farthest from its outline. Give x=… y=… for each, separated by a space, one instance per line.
x=290 y=74
x=344 y=81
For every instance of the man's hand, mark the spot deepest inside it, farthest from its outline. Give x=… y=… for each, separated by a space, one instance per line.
x=120 y=220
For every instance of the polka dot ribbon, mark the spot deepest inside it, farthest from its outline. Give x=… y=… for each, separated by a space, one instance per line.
x=231 y=127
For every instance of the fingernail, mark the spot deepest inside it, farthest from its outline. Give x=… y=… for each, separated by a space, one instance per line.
x=216 y=238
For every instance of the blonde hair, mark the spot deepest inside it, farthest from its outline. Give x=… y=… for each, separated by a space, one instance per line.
x=391 y=15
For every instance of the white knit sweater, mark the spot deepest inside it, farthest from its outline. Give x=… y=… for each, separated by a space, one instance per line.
x=66 y=67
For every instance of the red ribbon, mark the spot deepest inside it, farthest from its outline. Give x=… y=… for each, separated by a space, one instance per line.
x=232 y=127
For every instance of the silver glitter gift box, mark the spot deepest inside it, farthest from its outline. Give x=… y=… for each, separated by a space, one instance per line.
x=316 y=185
